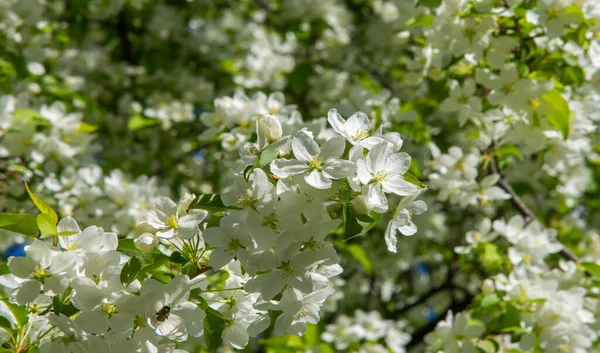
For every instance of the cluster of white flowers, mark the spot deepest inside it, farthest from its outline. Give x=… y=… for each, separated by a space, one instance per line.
x=455 y=176
x=85 y=270
x=366 y=332
x=455 y=334
x=276 y=232
x=108 y=108
x=557 y=314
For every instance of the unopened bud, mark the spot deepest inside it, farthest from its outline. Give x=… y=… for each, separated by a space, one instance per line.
x=146 y=242
x=271 y=127
x=360 y=205
x=487 y=286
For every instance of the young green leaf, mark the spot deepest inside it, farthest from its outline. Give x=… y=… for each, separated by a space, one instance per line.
x=137 y=122
x=556 y=109
x=42 y=206
x=25 y=224
x=267 y=155
x=46 y=225
x=210 y=202
x=140 y=264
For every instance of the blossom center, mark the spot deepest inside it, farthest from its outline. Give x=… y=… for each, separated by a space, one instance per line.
x=382 y=175
x=40 y=273
x=234 y=245
x=288 y=269
x=361 y=134
x=316 y=163
x=313 y=245
x=534 y=104
x=246 y=201
x=509 y=87
x=108 y=308
x=270 y=220
x=172 y=222
x=553 y=13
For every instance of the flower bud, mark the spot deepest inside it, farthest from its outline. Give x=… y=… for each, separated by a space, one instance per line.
x=271 y=127
x=185 y=201
x=146 y=242
x=360 y=205
x=487 y=286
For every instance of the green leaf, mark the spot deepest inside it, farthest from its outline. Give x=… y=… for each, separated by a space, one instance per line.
x=19 y=312
x=61 y=234
x=46 y=225
x=163 y=277
x=413 y=180
x=312 y=336
x=4 y=269
x=140 y=264
x=430 y=3
x=189 y=269
x=214 y=324
x=138 y=121
x=490 y=300
x=126 y=245
x=86 y=128
x=358 y=224
x=556 y=109
x=25 y=224
x=5 y=324
x=358 y=253
x=62 y=308
x=177 y=258
x=491 y=258
x=215 y=219
x=488 y=346
x=510 y=318
x=249 y=168
x=210 y=202
x=591 y=267
x=420 y=21
x=42 y=206
x=325 y=348
x=507 y=150
x=267 y=155
x=30 y=115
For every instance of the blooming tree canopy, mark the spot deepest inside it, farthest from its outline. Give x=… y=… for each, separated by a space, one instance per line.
x=369 y=176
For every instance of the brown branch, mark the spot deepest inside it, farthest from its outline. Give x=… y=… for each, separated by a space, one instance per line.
x=200 y=271
x=525 y=211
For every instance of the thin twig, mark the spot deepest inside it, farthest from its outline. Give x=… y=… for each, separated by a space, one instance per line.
x=525 y=211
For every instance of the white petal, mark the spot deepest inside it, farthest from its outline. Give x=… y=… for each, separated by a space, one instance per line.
x=21 y=267
x=398 y=163
x=304 y=147
x=333 y=148
x=286 y=167
x=337 y=122
x=193 y=317
x=399 y=186
x=377 y=157
x=219 y=258
x=157 y=219
x=317 y=180
x=167 y=206
x=26 y=292
x=173 y=328
x=339 y=169
x=68 y=224
x=357 y=123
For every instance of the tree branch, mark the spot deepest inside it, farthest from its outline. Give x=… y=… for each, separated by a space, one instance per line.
x=525 y=211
